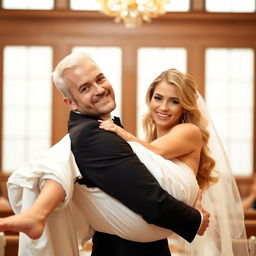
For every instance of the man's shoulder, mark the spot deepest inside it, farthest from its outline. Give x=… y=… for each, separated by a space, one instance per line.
x=81 y=128
x=80 y=122
x=84 y=130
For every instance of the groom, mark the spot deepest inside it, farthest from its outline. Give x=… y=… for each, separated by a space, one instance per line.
x=106 y=161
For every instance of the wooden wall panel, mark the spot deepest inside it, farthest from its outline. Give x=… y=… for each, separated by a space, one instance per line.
x=197 y=5
x=254 y=121
x=196 y=61
x=60 y=112
x=129 y=89
x=1 y=102
x=61 y=4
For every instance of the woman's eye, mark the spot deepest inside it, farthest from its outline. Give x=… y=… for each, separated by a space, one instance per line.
x=174 y=101
x=157 y=97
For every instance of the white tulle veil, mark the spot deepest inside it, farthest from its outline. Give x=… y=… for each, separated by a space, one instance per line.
x=226 y=234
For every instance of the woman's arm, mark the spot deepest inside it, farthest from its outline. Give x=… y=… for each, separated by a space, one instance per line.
x=110 y=126
x=180 y=140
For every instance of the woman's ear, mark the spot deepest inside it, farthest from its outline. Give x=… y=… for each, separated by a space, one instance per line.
x=70 y=103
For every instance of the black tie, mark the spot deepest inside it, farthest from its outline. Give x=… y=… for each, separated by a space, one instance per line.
x=117 y=121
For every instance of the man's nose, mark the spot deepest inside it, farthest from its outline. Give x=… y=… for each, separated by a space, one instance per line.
x=98 y=88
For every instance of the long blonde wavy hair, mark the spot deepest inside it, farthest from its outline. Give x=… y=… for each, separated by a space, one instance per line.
x=187 y=94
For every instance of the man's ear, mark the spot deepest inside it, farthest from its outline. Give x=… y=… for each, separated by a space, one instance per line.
x=70 y=103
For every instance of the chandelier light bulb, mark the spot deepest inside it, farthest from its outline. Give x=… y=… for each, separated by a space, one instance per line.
x=133 y=12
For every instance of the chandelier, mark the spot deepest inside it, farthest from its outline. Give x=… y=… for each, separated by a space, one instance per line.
x=133 y=12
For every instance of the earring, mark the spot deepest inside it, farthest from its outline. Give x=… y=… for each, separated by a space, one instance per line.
x=183 y=118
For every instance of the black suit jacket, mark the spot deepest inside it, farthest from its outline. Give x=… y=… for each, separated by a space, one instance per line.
x=107 y=161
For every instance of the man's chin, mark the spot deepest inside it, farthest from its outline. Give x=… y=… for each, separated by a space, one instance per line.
x=108 y=108
x=114 y=107
x=107 y=111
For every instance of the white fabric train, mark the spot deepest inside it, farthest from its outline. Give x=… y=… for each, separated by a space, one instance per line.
x=86 y=209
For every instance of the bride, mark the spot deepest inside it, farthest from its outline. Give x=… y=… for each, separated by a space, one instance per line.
x=173 y=93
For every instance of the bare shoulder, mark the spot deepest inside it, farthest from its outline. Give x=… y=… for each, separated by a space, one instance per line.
x=188 y=130
x=181 y=140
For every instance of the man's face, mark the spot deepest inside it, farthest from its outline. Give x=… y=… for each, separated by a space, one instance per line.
x=92 y=94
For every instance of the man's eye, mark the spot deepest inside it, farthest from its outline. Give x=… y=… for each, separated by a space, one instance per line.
x=101 y=79
x=85 y=89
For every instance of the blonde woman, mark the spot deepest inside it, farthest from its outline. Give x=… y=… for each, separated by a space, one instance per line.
x=178 y=128
x=174 y=126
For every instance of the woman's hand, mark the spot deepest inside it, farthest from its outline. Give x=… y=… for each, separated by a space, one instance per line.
x=108 y=125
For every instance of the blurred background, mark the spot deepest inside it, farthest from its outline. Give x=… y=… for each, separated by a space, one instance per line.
x=215 y=41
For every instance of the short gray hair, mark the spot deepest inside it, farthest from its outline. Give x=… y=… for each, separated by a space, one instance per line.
x=70 y=61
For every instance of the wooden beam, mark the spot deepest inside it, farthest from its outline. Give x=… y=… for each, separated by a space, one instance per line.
x=250 y=226
x=60 y=112
x=197 y=5
x=188 y=26
x=62 y=4
x=250 y=215
x=254 y=119
x=196 y=60
x=129 y=92
x=12 y=244
x=1 y=103
x=5 y=211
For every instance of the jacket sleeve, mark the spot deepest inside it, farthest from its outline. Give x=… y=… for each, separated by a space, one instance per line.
x=108 y=162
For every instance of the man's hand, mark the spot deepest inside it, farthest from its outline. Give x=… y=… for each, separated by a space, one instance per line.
x=205 y=214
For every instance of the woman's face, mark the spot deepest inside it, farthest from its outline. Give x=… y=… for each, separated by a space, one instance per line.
x=165 y=106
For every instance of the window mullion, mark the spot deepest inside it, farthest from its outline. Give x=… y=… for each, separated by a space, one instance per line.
x=61 y=4
x=197 y=5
